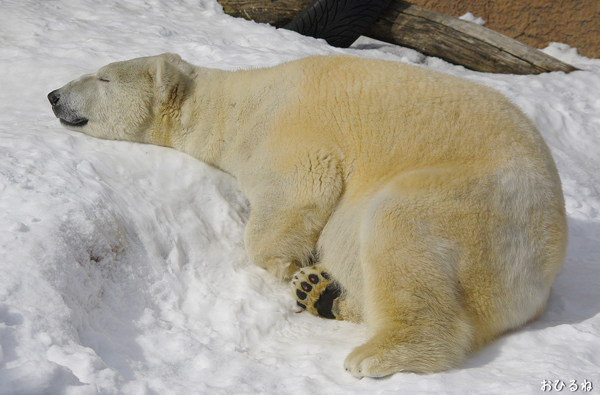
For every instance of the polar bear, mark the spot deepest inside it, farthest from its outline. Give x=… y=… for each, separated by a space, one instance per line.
x=423 y=205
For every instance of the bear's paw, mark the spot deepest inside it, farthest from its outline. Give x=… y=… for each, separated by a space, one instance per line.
x=316 y=292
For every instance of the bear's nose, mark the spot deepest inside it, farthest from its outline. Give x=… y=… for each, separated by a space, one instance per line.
x=53 y=97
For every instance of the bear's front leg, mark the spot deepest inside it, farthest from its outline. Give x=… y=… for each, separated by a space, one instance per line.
x=282 y=241
x=291 y=202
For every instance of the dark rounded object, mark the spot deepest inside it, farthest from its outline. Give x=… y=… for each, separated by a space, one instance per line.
x=301 y=295
x=339 y=22
x=313 y=278
x=54 y=97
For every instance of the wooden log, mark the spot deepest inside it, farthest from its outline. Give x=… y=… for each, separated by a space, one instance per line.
x=460 y=42
x=274 y=12
x=429 y=32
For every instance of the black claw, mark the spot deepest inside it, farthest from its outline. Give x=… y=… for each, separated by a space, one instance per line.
x=325 y=275
x=301 y=295
x=313 y=278
x=306 y=286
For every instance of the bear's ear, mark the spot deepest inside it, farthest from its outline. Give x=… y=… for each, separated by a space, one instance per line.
x=169 y=82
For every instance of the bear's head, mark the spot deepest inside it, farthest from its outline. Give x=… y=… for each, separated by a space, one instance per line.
x=124 y=100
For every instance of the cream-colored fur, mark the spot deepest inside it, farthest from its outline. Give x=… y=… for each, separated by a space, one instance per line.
x=433 y=201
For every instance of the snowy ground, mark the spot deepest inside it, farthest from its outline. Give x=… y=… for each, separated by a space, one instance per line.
x=122 y=268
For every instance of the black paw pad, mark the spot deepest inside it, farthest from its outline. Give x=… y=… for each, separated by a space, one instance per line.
x=306 y=286
x=301 y=295
x=313 y=278
x=326 y=275
x=325 y=303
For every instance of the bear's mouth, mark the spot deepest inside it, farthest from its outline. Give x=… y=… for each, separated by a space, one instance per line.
x=76 y=123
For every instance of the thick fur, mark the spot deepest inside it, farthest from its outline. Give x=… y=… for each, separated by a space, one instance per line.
x=432 y=201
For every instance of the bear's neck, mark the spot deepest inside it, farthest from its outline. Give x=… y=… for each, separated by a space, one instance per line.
x=222 y=120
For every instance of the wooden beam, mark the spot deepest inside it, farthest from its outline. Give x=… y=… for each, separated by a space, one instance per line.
x=429 y=32
x=459 y=42
x=274 y=12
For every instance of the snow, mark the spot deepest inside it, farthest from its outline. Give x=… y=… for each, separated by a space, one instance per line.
x=122 y=266
x=469 y=17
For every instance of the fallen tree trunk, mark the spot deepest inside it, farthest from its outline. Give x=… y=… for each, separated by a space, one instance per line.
x=429 y=32
x=274 y=12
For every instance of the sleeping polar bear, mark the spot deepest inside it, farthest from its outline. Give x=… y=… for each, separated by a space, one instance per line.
x=430 y=205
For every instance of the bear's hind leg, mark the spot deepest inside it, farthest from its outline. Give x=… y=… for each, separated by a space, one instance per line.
x=413 y=306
